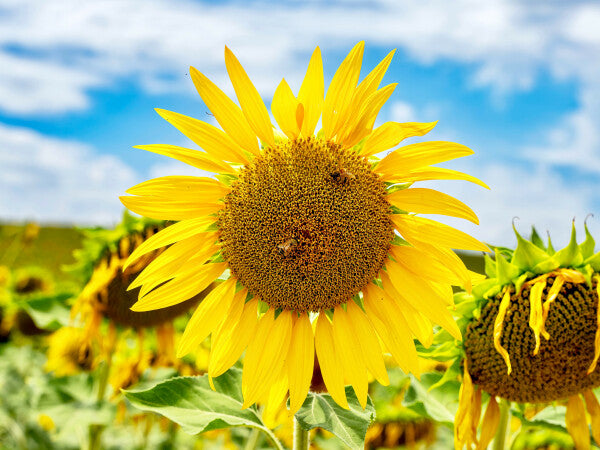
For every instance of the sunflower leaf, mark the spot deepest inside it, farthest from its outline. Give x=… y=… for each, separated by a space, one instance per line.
x=191 y=403
x=437 y=404
x=350 y=426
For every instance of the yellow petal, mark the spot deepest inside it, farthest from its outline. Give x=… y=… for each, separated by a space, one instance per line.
x=331 y=369
x=391 y=134
x=207 y=317
x=214 y=141
x=491 y=419
x=368 y=343
x=405 y=159
x=201 y=189
x=173 y=233
x=340 y=92
x=422 y=264
x=227 y=113
x=429 y=201
x=498 y=323
x=311 y=93
x=173 y=259
x=164 y=209
x=597 y=337
x=265 y=355
x=433 y=173
x=535 y=312
x=275 y=402
x=180 y=289
x=392 y=328
x=420 y=229
x=195 y=158
x=232 y=338
x=301 y=358
x=350 y=355
x=368 y=114
x=577 y=423
x=593 y=408
x=462 y=419
x=284 y=106
x=572 y=275
x=252 y=105
x=422 y=297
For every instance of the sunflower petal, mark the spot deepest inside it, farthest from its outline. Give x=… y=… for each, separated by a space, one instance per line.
x=536 y=313
x=284 y=106
x=228 y=114
x=597 y=336
x=311 y=93
x=173 y=233
x=301 y=358
x=391 y=134
x=350 y=354
x=368 y=343
x=329 y=362
x=201 y=189
x=577 y=423
x=491 y=420
x=413 y=156
x=180 y=289
x=420 y=229
x=214 y=141
x=252 y=105
x=232 y=338
x=433 y=173
x=207 y=317
x=420 y=263
x=593 y=408
x=164 y=209
x=340 y=91
x=429 y=201
x=498 y=324
x=195 y=158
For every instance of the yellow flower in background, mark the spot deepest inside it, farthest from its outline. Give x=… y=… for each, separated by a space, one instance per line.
x=301 y=230
x=70 y=351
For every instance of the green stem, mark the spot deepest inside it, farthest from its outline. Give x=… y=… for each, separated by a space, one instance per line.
x=301 y=437
x=503 y=427
x=252 y=439
x=95 y=431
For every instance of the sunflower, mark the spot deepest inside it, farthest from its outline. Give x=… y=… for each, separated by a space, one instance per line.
x=533 y=337
x=301 y=229
x=108 y=292
x=69 y=352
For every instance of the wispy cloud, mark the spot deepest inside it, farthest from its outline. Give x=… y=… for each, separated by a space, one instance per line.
x=55 y=180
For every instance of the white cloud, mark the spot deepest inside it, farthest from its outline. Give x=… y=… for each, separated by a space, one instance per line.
x=403 y=112
x=534 y=194
x=54 y=180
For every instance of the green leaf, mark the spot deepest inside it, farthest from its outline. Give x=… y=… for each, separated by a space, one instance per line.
x=191 y=403
x=350 y=426
x=438 y=404
x=49 y=312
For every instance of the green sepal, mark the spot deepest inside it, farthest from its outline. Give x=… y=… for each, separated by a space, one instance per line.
x=587 y=246
x=505 y=271
x=519 y=281
x=465 y=304
x=492 y=291
x=482 y=289
x=536 y=239
x=545 y=266
x=570 y=256
x=550 y=249
x=226 y=178
x=397 y=240
x=527 y=255
x=594 y=261
x=490 y=266
x=397 y=187
x=396 y=210
x=263 y=307
x=450 y=374
x=587 y=271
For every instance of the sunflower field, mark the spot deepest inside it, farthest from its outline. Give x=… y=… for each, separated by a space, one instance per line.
x=294 y=293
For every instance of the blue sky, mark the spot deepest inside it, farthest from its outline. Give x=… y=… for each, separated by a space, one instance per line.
x=519 y=82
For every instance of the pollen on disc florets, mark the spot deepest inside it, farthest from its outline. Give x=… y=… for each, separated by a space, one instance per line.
x=306 y=225
x=560 y=368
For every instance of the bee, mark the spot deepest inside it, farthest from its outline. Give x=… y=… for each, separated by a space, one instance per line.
x=342 y=176
x=287 y=247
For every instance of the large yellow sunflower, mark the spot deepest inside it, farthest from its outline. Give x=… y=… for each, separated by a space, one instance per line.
x=301 y=229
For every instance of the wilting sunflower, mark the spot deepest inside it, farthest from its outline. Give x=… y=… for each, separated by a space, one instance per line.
x=101 y=264
x=69 y=352
x=533 y=337
x=301 y=227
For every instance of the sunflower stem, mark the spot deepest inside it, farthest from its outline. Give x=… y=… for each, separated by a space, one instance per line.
x=503 y=427
x=252 y=439
x=301 y=436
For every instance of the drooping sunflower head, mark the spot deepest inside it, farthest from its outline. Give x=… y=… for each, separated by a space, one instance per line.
x=318 y=239
x=534 y=334
x=70 y=351
x=109 y=291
